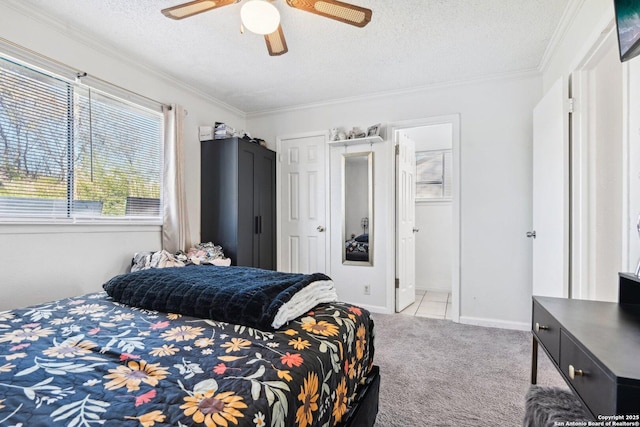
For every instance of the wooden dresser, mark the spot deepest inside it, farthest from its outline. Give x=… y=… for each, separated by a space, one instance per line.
x=595 y=346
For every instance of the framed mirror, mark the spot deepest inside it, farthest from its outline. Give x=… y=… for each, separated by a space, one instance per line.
x=357 y=208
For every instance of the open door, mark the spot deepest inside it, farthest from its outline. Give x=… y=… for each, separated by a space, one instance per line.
x=405 y=223
x=550 y=233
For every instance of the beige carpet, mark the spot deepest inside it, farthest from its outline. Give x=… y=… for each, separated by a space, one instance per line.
x=440 y=373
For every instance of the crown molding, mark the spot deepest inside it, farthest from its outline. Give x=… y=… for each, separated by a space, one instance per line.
x=109 y=50
x=518 y=75
x=568 y=16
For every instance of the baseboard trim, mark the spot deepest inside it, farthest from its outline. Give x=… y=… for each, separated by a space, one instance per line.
x=380 y=309
x=495 y=323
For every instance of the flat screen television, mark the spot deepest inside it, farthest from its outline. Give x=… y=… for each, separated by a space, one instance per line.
x=628 y=24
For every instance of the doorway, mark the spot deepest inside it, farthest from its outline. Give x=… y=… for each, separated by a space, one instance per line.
x=437 y=253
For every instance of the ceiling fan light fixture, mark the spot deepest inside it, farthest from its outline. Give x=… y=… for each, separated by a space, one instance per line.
x=260 y=17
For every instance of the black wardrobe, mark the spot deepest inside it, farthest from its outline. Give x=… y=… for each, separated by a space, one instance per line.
x=238 y=200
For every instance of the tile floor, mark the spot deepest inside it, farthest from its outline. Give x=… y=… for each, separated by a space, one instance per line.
x=436 y=305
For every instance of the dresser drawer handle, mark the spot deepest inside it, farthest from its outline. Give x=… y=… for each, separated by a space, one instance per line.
x=573 y=372
x=540 y=327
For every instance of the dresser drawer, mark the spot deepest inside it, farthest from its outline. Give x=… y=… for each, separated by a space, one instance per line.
x=547 y=330
x=590 y=381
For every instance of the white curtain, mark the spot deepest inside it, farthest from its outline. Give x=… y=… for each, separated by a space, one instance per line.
x=175 y=223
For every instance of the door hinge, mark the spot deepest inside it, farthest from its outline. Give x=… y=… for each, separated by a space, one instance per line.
x=571 y=104
x=397 y=283
x=397 y=149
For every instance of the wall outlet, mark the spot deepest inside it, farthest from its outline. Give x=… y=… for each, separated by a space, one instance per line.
x=367 y=289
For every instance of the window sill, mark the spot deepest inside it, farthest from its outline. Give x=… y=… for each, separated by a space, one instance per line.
x=77 y=227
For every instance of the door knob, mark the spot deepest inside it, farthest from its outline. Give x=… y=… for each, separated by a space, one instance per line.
x=415 y=230
x=320 y=228
x=531 y=234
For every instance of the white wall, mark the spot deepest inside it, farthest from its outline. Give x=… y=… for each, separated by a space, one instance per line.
x=496 y=133
x=39 y=263
x=433 y=245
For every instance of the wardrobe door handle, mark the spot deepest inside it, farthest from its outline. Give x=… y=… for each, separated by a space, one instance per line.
x=573 y=372
x=257 y=225
x=540 y=327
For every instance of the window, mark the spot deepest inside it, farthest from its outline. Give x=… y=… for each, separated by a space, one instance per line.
x=433 y=174
x=70 y=152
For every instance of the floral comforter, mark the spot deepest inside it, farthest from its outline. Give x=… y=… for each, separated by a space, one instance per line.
x=89 y=361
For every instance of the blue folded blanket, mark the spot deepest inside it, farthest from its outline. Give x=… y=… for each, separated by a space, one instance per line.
x=261 y=299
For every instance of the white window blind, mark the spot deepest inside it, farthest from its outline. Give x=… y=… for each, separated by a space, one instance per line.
x=433 y=174
x=71 y=152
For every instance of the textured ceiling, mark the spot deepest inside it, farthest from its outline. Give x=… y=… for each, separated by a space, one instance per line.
x=408 y=44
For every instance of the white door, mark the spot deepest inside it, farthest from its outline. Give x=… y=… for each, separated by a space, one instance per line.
x=302 y=215
x=550 y=194
x=405 y=223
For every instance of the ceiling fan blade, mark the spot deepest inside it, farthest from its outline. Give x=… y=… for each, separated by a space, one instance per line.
x=334 y=9
x=191 y=8
x=276 y=44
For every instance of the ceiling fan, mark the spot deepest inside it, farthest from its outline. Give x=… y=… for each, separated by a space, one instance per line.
x=262 y=17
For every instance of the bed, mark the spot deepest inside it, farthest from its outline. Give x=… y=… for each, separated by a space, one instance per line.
x=357 y=248
x=92 y=360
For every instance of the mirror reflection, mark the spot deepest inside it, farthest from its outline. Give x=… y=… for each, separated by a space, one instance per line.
x=357 y=202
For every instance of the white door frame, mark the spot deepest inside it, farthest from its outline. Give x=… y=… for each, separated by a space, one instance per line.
x=454 y=119
x=582 y=265
x=279 y=139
